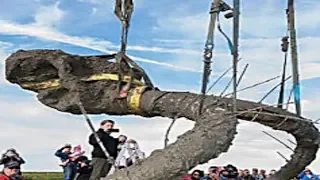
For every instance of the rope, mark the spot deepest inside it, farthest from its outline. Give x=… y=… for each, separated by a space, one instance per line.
x=281 y=142
x=255 y=85
x=242 y=74
x=274 y=88
x=289 y=98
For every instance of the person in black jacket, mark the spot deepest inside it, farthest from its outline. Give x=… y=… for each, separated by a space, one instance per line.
x=84 y=168
x=101 y=164
x=12 y=155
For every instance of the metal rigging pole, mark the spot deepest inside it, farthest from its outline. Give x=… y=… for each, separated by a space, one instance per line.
x=236 y=31
x=208 y=50
x=294 y=55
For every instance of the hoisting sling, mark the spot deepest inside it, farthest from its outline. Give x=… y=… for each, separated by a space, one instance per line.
x=123 y=10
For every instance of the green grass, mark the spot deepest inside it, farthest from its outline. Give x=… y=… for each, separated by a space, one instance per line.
x=43 y=175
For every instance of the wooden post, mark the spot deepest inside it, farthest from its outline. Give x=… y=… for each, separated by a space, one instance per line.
x=236 y=30
x=294 y=55
x=208 y=50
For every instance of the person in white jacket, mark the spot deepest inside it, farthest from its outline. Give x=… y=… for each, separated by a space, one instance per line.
x=129 y=154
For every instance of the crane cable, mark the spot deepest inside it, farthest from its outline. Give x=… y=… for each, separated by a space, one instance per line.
x=123 y=11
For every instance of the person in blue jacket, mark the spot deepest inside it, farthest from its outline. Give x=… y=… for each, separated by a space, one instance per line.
x=307 y=175
x=69 y=169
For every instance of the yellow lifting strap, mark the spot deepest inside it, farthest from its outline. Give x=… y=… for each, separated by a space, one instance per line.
x=42 y=85
x=97 y=77
x=134 y=98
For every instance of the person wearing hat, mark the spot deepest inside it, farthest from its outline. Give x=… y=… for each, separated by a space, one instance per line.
x=11 y=155
x=307 y=175
x=229 y=172
x=10 y=170
x=69 y=169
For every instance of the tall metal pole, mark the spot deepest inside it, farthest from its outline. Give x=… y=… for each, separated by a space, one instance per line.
x=294 y=55
x=208 y=50
x=236 y=31
x=284 y=48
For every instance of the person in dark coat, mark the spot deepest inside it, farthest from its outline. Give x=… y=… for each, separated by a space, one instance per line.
x=101 y=164
x=69 y=169
x=247 y=175
x=84 y=168
x=12 y=155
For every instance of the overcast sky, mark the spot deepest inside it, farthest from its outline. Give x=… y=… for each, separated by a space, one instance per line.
x=166 y=38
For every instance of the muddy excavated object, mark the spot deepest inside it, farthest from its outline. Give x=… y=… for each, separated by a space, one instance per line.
x=67 y=81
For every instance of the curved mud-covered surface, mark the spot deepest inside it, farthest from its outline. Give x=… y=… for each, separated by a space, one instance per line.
x=211 y=136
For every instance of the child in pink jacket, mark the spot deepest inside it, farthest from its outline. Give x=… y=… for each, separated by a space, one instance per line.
x=77 y=152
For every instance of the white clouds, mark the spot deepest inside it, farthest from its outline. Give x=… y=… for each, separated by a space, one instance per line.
x=259 y=53
x=187 y=25
x=43 y=32
x=47 y=33
x=94 y=11
x=310 y=70
x=49 y=16
x=4 y=47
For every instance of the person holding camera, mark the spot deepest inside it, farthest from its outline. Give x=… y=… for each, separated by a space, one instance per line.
x=101 y=163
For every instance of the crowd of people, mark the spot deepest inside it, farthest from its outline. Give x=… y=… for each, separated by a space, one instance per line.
x=231 y=172
x=121 y=153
